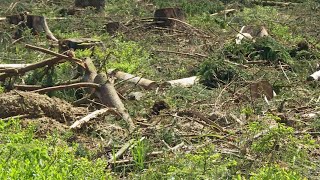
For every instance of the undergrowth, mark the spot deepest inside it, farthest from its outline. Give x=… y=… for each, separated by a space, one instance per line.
x=24 y=157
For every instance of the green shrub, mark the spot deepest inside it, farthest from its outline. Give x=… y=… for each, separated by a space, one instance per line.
x=215 y=72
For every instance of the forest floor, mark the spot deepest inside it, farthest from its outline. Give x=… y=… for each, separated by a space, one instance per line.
x=227 y=125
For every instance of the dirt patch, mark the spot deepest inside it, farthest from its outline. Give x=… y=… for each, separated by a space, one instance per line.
x=19 y=103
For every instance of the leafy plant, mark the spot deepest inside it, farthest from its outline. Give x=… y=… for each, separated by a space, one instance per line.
x=216 y=72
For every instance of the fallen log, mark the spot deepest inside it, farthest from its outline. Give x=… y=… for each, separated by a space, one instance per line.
x=185 y=82
x=145 y=83
x=274 y=3
x=68 y=86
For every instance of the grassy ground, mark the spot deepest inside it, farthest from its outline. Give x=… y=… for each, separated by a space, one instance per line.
x=261 y=140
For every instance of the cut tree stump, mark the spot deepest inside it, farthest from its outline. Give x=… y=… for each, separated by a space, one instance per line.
x=78 y=43
x=112 y=27
x=98 y=4
x=37 y=23
x=164 y=17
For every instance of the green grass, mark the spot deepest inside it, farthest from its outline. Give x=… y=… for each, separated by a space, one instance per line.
x=25 y=157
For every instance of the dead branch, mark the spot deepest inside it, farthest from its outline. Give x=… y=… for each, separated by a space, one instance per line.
x=47 y=62
x=13 y=66
x=274 y=3
x=202 y=117
x=76 y=60
x=26 y=87
x=69 y=86
x=79 y=123
x=121 y=151
x=182 y=53
x=224 y=12
x=145 y=83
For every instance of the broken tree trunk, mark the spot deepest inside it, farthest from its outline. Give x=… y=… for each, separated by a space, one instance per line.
x=109 y=97
x=145 y=83
x=38 y=24
x=161 y=16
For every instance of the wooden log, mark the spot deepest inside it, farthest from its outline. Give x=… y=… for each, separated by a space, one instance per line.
x=145 y=83
x=161 y=16
x=185 y=82
x=98 y=4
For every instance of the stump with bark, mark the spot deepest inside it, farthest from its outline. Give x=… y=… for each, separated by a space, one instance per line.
x=36 y=23
x=112 y=27
x=164 y=17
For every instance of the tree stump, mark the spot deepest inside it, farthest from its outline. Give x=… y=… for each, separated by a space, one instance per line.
x=36 y=23
x=78 y=43
x=162 y=16
x=97 y=4
x=112 y=27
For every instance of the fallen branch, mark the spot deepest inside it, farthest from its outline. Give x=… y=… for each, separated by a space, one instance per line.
x=274 y=3
x=203 y=118
x=131 y=143
x=13 y=66
x=76 y=60
x=47 y=62
x=145 y=83
x=121 y=151
x=69 y=86
x=182 y=53
x=79 y=123
x=225 y=12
